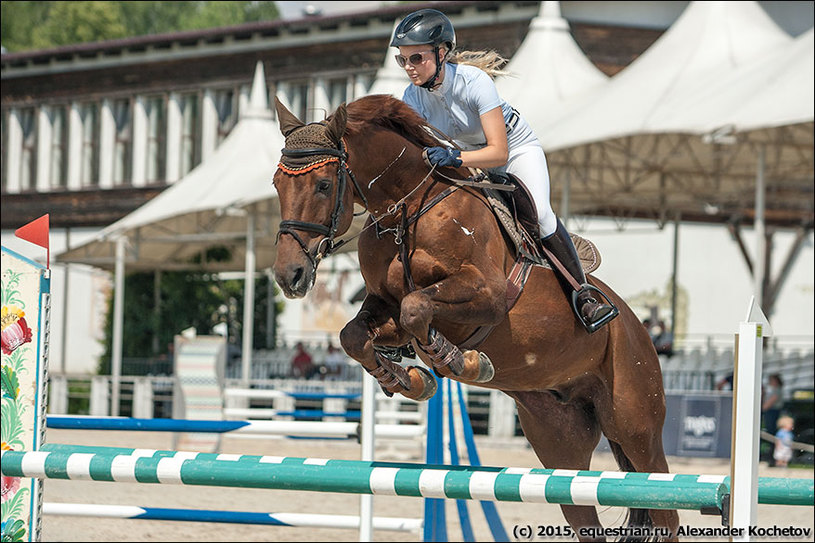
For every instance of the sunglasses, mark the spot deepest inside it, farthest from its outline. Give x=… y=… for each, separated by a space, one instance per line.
x=415 y=59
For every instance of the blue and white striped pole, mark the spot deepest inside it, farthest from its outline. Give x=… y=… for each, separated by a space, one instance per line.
x=230 y=517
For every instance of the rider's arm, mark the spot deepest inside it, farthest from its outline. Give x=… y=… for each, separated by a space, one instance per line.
x=495 y=153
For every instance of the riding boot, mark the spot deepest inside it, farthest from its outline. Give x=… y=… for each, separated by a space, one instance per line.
x=591 y=312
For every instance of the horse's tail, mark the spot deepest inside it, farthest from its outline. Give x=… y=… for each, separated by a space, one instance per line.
x=637 y=518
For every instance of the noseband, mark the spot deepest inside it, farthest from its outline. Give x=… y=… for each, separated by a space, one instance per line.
x=327 y=246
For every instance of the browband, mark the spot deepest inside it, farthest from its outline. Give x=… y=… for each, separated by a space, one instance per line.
x=316 y=151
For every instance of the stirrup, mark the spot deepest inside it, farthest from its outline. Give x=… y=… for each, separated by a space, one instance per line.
x=592 y=327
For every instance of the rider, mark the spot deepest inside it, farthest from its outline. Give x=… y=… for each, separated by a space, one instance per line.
x=461 y=100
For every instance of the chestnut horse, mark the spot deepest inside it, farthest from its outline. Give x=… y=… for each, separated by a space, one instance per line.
x=435 y=265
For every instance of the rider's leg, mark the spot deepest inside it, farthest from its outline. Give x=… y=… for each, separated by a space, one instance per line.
x=590 y=310
x=528 y=163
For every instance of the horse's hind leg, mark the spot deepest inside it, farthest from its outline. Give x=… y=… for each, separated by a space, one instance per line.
x=563 y=435
x=636 y=439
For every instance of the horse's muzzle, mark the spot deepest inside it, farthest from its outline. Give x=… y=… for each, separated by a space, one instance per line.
x=295 y=279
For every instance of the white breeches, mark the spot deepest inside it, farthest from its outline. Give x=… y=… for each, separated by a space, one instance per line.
x=528 y=163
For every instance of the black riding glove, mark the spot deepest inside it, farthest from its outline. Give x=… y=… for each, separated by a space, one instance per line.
x=442 y=157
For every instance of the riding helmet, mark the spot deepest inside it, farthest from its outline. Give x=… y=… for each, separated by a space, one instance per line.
x=426 y=26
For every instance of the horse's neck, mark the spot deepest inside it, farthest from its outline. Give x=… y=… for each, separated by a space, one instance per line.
x=389 y=171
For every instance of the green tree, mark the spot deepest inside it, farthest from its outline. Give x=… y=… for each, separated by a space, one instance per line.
x=18 y=20
x=38 y=25
x=188 y=299
x=79 y=22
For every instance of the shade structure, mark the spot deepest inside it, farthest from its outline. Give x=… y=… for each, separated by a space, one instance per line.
x=776 y=89
x=708 y=40
x=628 y=150
x=548 y=70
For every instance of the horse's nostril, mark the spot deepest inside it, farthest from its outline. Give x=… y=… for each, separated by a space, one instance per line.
x=298 y=274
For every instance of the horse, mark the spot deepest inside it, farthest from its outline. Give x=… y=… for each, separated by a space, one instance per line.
x=435 y=264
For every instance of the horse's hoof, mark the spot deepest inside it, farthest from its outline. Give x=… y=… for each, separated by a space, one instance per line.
x=426 y=383
x=486 y=370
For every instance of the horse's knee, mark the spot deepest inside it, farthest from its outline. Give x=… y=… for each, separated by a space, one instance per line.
x=416 y=314
x=354 y=338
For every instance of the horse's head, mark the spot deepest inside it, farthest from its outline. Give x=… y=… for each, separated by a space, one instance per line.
x=316 y=203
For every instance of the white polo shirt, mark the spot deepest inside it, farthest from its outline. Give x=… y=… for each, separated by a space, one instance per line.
x=456 y=106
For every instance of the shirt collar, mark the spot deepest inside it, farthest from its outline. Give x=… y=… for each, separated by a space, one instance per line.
x=447 y=82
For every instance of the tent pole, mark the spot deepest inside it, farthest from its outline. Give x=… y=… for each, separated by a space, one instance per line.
x=67 y=291
x=118 y=325
x=761 y=242
x=675 y=274
x=248 y=299
x=564 y=201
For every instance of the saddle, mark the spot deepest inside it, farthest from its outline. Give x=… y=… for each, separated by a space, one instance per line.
x=516 y=213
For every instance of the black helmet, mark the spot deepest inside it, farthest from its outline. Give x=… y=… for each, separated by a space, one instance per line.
x=426 y=26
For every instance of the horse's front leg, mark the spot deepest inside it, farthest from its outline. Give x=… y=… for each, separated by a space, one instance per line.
x=465 y=298
x=377 y=323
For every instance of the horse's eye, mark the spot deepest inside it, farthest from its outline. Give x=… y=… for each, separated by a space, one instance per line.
x=323 y=186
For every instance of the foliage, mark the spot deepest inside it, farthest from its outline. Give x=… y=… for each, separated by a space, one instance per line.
x=188 y=299
x=40 y=25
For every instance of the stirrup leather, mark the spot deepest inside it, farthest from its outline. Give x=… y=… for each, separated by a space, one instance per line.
x=592 y=327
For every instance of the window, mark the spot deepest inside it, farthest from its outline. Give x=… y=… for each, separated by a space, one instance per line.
x=28 y=159
x=59 y=146
x=190 y=135
x=89 y=174
x=298 y=97
x=123 y=142
x=337 y=92
x=226 y=104
x=155 y=109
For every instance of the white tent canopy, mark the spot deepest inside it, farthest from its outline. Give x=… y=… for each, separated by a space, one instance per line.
x=207 y=207
x=775 y=90
x=548 y=70
x=709 y=40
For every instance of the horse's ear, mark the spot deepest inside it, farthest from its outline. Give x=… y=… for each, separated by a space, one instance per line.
x=288 y=120
x=336 y=124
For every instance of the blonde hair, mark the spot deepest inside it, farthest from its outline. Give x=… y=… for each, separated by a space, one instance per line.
x=785 y=420
x=488 y=61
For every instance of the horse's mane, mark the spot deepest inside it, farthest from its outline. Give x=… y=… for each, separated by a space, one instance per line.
x=385 y=111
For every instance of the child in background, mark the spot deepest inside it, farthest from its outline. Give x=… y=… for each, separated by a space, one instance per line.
x=783 y=441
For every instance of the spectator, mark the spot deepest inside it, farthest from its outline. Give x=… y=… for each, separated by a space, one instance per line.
x=333 y=363
x=783 y=441
x=726 y=383
x=302 y=365
x=772 y=402
x=660 y=337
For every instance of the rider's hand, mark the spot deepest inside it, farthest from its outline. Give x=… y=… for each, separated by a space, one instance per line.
x=442 y=157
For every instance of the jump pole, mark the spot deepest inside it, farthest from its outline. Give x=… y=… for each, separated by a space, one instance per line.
x=744 y=440
x=619 y=489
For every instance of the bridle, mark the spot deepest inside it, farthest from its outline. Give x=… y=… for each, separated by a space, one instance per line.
x=327 y=245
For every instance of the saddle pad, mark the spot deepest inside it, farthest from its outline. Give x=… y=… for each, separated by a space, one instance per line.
x=586 y=250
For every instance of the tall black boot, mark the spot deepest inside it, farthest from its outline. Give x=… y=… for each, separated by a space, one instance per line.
x=590 y=312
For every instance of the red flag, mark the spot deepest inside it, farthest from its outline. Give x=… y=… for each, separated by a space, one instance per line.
x=36 y=232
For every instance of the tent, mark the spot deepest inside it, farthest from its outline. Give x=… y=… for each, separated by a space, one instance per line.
x=708 y=40
x=548 y=70
x=635 y=148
